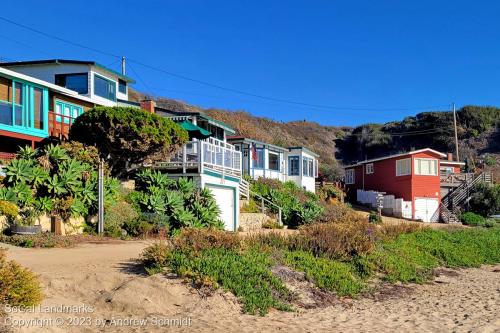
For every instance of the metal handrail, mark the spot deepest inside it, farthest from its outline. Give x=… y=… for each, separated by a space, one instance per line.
x=262 y=205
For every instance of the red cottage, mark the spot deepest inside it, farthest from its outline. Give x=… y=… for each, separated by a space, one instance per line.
x=413 y=177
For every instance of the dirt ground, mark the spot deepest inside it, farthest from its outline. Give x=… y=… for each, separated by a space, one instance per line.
x=110 y=289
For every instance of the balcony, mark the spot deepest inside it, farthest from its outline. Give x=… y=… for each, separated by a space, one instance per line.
x=59 y=124
x=209 y=154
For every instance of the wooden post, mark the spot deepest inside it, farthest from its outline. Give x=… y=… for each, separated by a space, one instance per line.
x=262 y=206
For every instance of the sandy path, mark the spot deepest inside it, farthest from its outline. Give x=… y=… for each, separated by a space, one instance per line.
x=104 y=277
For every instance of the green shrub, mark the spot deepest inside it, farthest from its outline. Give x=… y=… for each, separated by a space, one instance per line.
x=155 y=257
x=472 y=219
x=298 y=206
x=485 y=199
x=375 y=218
x=327 y=274
x=18 y=285
x=117 y=216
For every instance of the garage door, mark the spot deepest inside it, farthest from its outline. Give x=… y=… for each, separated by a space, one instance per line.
x=225 y=201
x=427 y=209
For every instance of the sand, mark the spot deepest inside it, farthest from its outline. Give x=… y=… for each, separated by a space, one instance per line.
x=105 y=278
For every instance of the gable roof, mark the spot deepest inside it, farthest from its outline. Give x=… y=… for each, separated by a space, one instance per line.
x=307 y=150
x=66 y=61
x=396 y=155
x=185 y=115
x=239 y=138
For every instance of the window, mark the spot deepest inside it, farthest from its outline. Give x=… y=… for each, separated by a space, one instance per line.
x=403 y=167
x=22 y=105
x=5 y=101
x=122 y=86
x=38 y=117
x=104 y=88
x=308 y=167
x=293 y=166
x=274 y=161
x=369 y=168
x=78 y=82
x=446 y=171
x=66 y=112
x=18 y=104
x=349 y=176
x=258 y=161
x=426 y=167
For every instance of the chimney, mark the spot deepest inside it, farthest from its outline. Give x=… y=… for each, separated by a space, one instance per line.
x=450 y=156
x=148 y=105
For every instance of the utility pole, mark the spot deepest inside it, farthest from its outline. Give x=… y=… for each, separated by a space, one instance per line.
x=456 y=135
x=123 y=66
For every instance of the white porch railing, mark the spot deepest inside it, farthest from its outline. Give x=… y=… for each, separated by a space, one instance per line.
x=211 y=154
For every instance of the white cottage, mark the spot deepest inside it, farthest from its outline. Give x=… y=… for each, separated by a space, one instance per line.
x=260 y=159
x=207 y=159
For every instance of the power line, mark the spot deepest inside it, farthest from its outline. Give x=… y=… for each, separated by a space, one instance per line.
x=409 y=133
x=217 y=86
x=58 y=38
x=140 y=78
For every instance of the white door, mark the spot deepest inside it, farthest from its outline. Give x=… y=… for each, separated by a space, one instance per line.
x=426 y=209
x=225 y=200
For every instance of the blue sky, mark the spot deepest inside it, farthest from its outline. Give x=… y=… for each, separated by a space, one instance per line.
x=369 y=61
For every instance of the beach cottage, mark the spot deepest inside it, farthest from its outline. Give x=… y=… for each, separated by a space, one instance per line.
x=260 y=159
x=208 y=159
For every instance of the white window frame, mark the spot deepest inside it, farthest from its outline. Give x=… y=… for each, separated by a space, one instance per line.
x=350 y=176
x=369 y=168
x=417 y=167
x=399 y=164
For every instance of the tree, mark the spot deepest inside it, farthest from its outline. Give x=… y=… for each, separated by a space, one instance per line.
x=485 y=200
x=128 y=137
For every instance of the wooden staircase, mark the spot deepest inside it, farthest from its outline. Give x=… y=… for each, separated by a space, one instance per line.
x=452 y=203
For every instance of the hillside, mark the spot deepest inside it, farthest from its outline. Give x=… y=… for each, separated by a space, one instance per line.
x=478 y=131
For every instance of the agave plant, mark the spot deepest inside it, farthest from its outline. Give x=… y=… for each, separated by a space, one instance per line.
x=38 y=176
x=148 y=177
x=24 y=195
x=78 y=208
x=183 y=217
x=18 y=171
x=27 y=153
x=186 y=187
x=6 y=194
x=56 y=154
x=173 y=202
x=55 y=186
x=44 y=204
